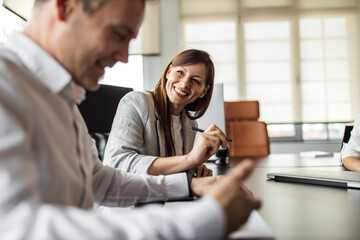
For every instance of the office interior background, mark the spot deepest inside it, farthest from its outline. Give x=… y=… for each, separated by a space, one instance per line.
x=299 y=58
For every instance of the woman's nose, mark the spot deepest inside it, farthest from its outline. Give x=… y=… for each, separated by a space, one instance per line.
x=185 y=81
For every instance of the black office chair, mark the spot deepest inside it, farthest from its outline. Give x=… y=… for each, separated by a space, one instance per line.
x=98 y=111
x=347 y=135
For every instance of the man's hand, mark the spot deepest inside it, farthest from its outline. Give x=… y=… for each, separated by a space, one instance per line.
x=352 y=163
x=201 y=171
x=200 y=186
x=231 y=193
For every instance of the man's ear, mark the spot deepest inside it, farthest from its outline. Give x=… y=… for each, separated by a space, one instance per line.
x=64 y=8
x=205 y=91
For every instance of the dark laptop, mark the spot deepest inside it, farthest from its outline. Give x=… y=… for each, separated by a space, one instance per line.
x=343 y=179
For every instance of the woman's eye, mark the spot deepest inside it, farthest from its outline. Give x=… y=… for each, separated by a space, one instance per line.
x=180 y=72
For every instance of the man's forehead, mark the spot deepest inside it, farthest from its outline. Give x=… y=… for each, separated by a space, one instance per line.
x=127 y=11
x=123 y=15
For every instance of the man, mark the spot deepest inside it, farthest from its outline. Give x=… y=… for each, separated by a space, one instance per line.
x=50 y=176
x=350 y=154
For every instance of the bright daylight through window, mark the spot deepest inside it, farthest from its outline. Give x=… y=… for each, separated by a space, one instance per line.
x=298 y=58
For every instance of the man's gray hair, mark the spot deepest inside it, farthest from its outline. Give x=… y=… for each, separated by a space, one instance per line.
x=90 y=6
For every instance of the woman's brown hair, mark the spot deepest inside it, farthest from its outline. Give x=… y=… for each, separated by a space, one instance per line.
x=193 y=110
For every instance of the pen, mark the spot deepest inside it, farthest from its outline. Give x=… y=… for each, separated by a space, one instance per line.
x=201 y=130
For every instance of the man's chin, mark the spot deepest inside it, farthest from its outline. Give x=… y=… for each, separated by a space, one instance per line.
x=89 y=84
x=92 y=87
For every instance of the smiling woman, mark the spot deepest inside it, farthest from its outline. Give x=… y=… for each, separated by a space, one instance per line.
x=152 y=132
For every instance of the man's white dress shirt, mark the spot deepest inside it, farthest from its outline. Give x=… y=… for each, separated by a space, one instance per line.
x=50 y=176
x=352 y=148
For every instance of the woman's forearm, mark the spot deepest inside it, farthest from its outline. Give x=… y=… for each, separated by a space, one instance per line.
x=169 y=165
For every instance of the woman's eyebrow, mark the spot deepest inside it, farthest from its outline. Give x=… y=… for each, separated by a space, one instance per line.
x=198 y=76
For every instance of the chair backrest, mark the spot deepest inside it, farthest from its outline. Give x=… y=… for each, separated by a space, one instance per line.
x=250 y=135
x=347 y=135
x=99 y=107
x=98 y=110
x=242 y=110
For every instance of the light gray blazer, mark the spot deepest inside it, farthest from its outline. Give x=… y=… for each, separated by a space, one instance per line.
x=136 y=138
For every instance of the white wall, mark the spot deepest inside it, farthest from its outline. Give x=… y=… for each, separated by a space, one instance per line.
x=170 y=31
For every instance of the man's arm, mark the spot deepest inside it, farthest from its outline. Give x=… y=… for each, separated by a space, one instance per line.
x=237 y=201
x=352 y=163
x=350 y=153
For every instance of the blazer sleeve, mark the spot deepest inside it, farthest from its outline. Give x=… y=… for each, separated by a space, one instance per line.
x=125 y=146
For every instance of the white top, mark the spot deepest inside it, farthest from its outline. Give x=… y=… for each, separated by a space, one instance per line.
x=177 y=135
x=50 y=176
x=352 y=148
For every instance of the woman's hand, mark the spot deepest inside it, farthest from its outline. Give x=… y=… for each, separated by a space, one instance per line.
x=201 y=171
x=207 y=144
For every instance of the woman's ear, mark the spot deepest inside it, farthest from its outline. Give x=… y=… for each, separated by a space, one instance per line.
x=205 y=91
x=168 y=72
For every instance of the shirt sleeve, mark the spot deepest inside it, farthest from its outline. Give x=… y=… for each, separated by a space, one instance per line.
x=352 y=148
x=116 y=188
x=199 y=220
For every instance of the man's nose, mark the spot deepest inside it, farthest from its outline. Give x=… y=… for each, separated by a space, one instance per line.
x=121 y=57
x=122 y=53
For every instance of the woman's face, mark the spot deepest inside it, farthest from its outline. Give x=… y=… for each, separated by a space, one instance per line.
x=184 y=85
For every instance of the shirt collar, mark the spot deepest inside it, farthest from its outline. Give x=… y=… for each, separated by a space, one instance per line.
x=45 y=68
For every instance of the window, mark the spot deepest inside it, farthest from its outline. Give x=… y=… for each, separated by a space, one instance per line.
x=306 y=131
x=9 y=22
x=325 y=69
x=126 y=75
x=218 y=38
x=272 y=68
x=299 y=58
x=268 y=69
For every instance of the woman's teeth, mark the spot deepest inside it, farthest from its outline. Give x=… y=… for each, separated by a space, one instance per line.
x=180 y=92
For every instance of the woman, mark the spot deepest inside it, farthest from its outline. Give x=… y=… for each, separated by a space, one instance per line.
x=152 y=133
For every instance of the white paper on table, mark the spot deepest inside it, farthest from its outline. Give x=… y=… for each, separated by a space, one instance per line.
x=254 y=228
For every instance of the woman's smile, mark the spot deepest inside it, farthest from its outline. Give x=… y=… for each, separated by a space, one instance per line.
x=180 y=92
